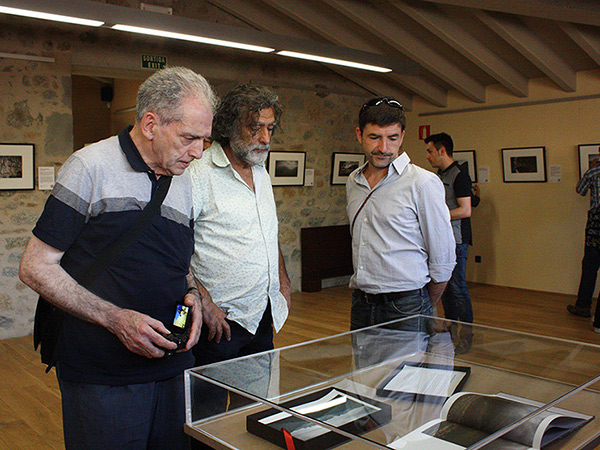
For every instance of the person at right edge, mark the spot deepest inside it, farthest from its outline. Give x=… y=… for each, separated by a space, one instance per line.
x=457 y=184
x=591 y=256
x=402 y=241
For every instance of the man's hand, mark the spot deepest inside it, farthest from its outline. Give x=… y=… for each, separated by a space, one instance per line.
x=193 y=299
x=214 y=319
x=435 y=292
x=286 y=291
x=285 y=286
x=140 y=333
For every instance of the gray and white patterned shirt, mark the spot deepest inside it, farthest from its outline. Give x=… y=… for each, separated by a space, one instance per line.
x=236 y=254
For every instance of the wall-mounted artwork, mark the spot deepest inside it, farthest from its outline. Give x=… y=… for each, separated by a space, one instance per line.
x=589 y=156
x=343 y=164
x=286 y=168
x=522 y=165
x=467 y=160
x=16 y=166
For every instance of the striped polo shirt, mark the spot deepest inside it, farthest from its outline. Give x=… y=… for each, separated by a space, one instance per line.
x=100 y=191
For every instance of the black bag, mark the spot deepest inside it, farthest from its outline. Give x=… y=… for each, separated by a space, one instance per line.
x=47 y=325
x=46 y=330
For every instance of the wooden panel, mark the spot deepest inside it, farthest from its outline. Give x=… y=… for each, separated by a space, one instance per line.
x=326 y=253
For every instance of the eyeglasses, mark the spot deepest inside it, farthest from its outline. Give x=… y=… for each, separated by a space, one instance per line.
x=378 y=101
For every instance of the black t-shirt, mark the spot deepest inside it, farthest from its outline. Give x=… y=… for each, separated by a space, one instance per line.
x=99 y=193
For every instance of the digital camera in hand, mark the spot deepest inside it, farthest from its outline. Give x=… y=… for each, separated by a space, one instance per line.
x=179 y=329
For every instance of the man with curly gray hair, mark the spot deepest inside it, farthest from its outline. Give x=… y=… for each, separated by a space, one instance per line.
x=246 y=287
x=109 y=346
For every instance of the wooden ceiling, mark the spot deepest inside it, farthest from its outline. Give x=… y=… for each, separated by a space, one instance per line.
x=458 y=45
x=462 y=45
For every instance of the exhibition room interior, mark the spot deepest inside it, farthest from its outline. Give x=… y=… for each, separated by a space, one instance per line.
x=501 y=77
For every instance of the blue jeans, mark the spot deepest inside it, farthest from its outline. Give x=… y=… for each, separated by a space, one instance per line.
x=399 y=306
x=456 y=298
x=132 y=417
x=589 y=272
x=395 y=340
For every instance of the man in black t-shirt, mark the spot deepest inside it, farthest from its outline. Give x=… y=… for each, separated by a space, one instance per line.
x=118 y=390
x=457 y=183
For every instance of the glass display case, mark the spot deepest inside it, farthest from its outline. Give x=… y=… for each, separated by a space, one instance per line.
x=402 y=385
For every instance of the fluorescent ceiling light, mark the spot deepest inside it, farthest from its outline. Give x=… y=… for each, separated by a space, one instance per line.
x=47 y=16
x=190 y=37
x=339 y=62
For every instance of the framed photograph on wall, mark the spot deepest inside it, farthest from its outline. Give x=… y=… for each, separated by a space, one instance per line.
x=466 y=159
x=343 y=164
x=286 y=168
x=523 y=165
x=588 y=154
x=17 y=166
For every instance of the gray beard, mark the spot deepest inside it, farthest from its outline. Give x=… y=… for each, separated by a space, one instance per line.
x=245 y=153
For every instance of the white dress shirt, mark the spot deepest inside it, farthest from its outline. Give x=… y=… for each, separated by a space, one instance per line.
x=236 y=254
x=402 y=238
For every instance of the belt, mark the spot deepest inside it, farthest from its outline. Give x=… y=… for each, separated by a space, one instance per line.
x=380 y=299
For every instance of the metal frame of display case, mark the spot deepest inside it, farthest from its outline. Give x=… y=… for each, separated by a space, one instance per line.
x=551 y=372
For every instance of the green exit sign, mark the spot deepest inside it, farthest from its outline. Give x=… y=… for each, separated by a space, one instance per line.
x=154 y=62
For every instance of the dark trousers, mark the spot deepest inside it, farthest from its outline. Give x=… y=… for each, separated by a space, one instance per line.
x=211 y=399
x=391 y=306
x=456 y=298
x=407 y=330
x=242 y=342
x=132 y=417
x=587 y=284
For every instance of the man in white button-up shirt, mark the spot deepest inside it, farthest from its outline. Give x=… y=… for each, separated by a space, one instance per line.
x=402 y=242
x=244 y=284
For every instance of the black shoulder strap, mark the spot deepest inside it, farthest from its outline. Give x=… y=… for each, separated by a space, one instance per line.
x=360 y=209
x=114 y=250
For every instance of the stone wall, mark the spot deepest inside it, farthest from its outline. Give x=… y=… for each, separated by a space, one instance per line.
x=35 y=108
x=319 y=127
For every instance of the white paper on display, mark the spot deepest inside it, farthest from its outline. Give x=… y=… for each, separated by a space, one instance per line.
x=426 y=381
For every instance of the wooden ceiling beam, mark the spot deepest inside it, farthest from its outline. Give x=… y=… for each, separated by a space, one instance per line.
x=532 y=47
x=306 y=14
x=466 y=44
x=384 y=28
x=576 y=11
x=588 y=41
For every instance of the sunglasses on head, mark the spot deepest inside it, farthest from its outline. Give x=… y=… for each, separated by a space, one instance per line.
x=378 y=101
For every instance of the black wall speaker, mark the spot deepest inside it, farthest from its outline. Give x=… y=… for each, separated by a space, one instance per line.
x=106 y=93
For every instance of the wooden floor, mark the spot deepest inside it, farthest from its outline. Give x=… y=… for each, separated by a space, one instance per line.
x=30 y=415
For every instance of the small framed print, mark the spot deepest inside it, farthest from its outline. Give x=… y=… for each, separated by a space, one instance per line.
x=589 y=155
x=286 y=168
x=17 y=166
x=343 y=164
x=522 y=165
x=466 y=159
